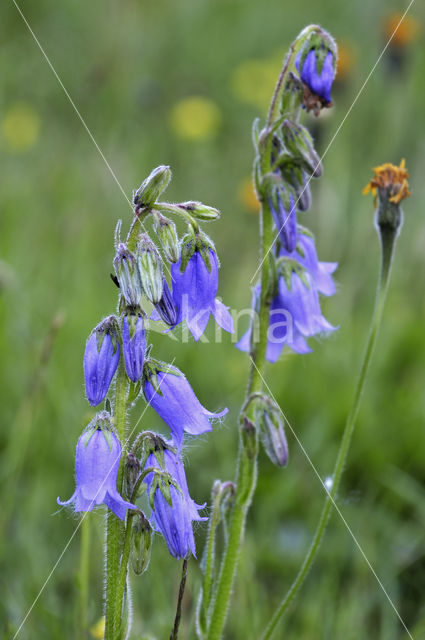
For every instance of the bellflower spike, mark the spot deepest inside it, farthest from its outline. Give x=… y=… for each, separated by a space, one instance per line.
x=194 y=293
x=174 y=521
x=306 y=256
x=173 y=399
x=101 y=359
x=133 y=345
x=97 y=461
x=319 y=82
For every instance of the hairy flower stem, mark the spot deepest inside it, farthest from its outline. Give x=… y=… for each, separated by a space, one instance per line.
x=246 y=475
x=175 y=631
x=115 y=528
x=388 y=238
x=83 y=578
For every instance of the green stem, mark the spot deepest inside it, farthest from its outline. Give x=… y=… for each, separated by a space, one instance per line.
x=246 y=475
x=83 y=577
x=175 y=631
x=115 y=528
x=388 y=240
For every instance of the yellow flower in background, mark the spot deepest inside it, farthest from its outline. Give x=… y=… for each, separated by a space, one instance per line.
x=405 y=31
x=345 y=62
x=253 y=80
x=195 y=118
x=20 y=128
x=247 y=195
x=98 y=629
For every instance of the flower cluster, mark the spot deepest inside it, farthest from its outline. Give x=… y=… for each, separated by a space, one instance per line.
x=118 y=348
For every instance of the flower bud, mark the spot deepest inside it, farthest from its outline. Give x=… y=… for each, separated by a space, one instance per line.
x=166 y=307
x=133 y=345
x=128 y=275
x=150 y=190
x=131 y=473
x=299 y=143
x=200 y=211
x=298 y=180
x=271 y=429
x=141 y=544
x=249 y=438
x=101 y=358
x=166 y=231
x=150 y=269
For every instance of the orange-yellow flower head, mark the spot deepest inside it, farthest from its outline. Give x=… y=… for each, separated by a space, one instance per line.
x=390 y=182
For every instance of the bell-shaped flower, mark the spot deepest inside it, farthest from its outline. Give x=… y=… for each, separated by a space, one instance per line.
x=174 y=400
x=194 y=293
x=295 y=315
x=306 y=256
x=97 y=461
x=173 y=521
x=101 y=359
x=133 y=345
x=317 y=72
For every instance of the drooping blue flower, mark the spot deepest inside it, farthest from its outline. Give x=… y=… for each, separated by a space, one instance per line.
x=285 y=219
x=194 y=294
x=97 y=460
x=174 y=521
x=176 y=403
x=295 y=315
x=101 y=359
x=318 y=83
x=133 y=345
x=306 y=256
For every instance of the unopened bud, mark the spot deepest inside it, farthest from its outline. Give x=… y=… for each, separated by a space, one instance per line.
x=127 y=271
x=151 y=188
x=316 y=64
x=166 y=231
x=200 y=211
x=141 y=546
x=270 y=425
x=299 y=143
x=150 y=268
x=166 y=307
x=131 y=473
x=249 y=438
x=298 y=180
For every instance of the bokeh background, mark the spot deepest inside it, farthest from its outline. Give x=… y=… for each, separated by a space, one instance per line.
x=179 y=83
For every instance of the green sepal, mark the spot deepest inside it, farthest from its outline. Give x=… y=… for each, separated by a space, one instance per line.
x=256 y=133
x=141 y=544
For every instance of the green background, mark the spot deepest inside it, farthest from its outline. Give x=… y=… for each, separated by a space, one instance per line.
x=128 y=66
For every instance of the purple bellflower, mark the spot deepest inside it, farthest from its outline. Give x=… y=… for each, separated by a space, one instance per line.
x=318 y=83
x=176 y=403
x=97 y=460
x=174 y=521
x=294 y=316
x=133 y=346
x=194 y=294
x=285 y=219
x=321 y=272
x=101 y=359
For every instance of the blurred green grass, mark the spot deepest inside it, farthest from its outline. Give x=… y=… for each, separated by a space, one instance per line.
x=127 y=65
